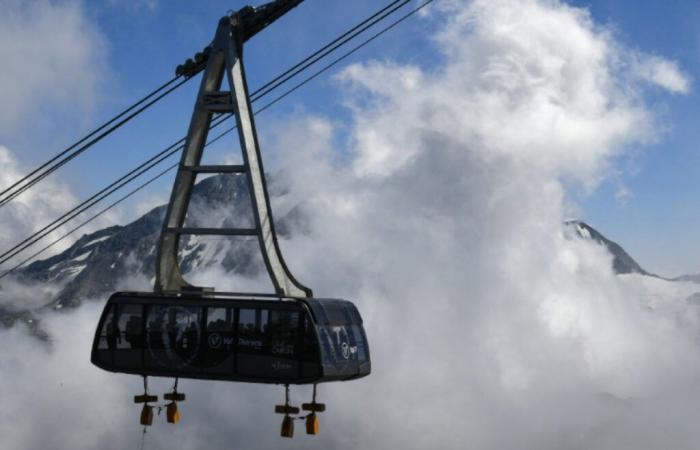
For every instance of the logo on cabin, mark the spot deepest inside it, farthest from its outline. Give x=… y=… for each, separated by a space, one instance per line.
x=341 y=339
x=347 y=350
x=215 y=340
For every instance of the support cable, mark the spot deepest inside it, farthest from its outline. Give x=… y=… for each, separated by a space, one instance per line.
x=112 y=205
x=161 y=156
x=260 y=92
x=94 y=199
x=71 y=153
x=326 y=49
x=345 y=55
x=20 y=186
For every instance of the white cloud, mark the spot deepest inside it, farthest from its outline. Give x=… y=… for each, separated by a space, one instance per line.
x=35 y=208
x=622 y=194
x=663 y=73
x=136 y=5
x=51 y=55
x=488 y=327
x=152 y=200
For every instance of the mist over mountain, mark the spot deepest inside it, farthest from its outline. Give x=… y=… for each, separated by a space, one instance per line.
x=692 y=278
x=623 y=263
x=98 y=263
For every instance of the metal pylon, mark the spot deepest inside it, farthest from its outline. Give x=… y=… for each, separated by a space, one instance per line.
x=224 y=58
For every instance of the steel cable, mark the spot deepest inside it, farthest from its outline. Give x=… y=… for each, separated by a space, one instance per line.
x=20 y=184
x=171 y=150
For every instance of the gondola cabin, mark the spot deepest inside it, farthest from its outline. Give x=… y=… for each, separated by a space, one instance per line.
x=195 y=333
x=227 y=337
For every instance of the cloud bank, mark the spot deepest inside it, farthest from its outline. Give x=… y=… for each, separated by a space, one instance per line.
x=34 y=208
x=489 y=328
x=37 y=207
x=51 y=55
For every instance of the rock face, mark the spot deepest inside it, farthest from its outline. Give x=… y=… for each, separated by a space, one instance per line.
x=623 y=263
x=97 y=262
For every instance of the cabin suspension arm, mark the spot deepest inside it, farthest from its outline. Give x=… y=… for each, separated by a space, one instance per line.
x=224 y=59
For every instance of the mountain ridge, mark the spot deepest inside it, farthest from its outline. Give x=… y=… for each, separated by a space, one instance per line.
x=96 y=263
x=623 y=263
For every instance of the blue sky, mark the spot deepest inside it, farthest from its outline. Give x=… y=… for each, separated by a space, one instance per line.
x=147 y=40
x=143 y=41
x=657 y=224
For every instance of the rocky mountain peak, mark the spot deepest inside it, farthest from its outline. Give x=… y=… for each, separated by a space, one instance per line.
x=623 y=263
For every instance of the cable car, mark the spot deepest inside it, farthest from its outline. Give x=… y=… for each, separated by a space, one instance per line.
x=184 y=331
x=233 y=338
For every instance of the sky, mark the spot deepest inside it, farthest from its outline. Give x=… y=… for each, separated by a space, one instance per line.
x=110 y=53
x=436 y=170
x=654 y=219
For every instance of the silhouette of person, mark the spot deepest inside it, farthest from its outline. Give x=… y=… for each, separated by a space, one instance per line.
x=133 y=332
x=113 y=335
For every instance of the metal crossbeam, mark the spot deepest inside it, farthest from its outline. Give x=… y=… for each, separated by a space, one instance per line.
x=214 y=231
x=217 y=169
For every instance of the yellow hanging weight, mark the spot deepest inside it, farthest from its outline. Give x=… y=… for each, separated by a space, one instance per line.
x=147 y=416
x=312 y=426
x=172 y=413
x=287 y=427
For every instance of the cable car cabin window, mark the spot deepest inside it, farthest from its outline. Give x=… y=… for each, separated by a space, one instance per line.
x=108 y=336
x=309 y=350
x=342 y=340
x=268 y=343
x=252 y=329
x=107 y=339
x=174 y=335
x=218 y=343
x=309 y=345
x=360 y=340
x=284 y=334
x=253 y=349
x=127 y=336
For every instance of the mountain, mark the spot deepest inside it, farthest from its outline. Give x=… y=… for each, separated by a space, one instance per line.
x=623 y=263
x=692 y=278
x=98 y=263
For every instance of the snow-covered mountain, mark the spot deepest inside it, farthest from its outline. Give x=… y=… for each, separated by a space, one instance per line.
x=623 y=263
x=98 y=263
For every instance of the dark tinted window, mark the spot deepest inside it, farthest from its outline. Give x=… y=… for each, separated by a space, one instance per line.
x=309 y=344
x=108 y=334
x=284 y=333
x=129 y=327
x=174 y=335
x=218 y=319
x=126 y=335
x=361 y=343
x=252 y=330
x=218 y=346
